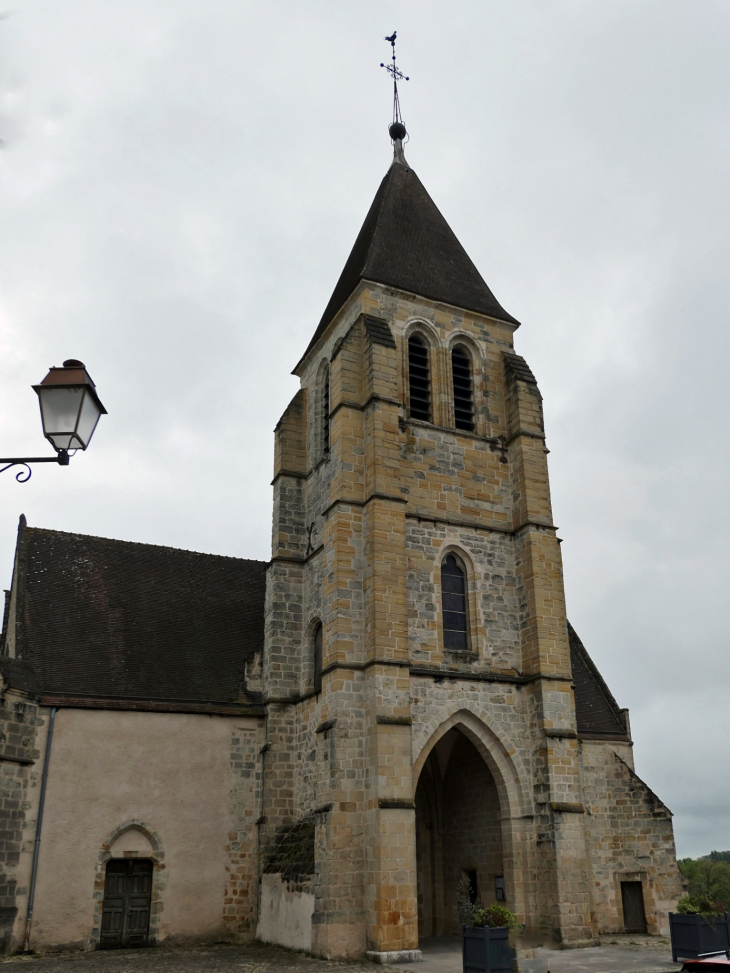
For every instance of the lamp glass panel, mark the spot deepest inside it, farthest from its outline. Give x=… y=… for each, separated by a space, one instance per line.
x=62 y=440
x=87 y=420
x=59 y=411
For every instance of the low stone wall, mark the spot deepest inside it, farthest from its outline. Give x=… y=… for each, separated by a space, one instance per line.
x=629 y=837
x=285 y=912
x=287 y=893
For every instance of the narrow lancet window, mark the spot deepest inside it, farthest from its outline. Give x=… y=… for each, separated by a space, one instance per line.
x=463 y=394
x=317 y=680
x=419 y=379
x=326 y=412
x=453 y=603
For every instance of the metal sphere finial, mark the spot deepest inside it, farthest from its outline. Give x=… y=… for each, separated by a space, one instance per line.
x=397 y=129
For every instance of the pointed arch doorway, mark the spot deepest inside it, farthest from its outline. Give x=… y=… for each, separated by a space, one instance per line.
x=458 y=833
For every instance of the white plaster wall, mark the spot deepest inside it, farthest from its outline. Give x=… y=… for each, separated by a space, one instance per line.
x=171 y=771
x=285 y=915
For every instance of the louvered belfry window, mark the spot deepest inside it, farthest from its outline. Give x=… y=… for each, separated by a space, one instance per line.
x=326 y=411
x=453 y=603
x=463 y=394
x=419 y=379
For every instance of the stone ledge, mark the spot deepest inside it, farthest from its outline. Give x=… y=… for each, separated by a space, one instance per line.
x=567 y=807
x=559 y=734
x=325 y=726
x=395 y=956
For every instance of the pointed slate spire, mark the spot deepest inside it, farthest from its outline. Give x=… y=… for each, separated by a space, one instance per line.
x=406 y=243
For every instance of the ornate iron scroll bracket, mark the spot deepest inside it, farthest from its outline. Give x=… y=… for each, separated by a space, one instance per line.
x=23 y=475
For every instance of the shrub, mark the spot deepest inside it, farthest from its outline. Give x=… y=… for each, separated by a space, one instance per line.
x=495 y=915
x=692 y=905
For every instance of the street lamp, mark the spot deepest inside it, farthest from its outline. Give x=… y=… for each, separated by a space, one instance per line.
x=70 y=411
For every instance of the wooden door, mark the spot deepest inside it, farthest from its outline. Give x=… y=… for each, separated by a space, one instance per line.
x=127 y=895
x=632 y=895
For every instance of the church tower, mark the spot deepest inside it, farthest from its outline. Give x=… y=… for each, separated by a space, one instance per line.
x=417 y=677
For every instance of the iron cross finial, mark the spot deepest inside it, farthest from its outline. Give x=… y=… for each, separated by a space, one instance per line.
x=393 y=71
x=397 y=128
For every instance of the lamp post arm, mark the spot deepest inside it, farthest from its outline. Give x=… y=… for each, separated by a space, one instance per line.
x=62 y=459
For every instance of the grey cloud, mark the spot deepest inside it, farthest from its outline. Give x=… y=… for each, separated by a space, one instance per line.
x=181 y=184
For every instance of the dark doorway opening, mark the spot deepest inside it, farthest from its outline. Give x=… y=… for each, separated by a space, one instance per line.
x=632 y=896
x=471 y=875
x=458 y=833
x=125 y=920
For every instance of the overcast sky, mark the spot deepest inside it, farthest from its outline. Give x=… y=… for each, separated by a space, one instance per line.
x=181 y=183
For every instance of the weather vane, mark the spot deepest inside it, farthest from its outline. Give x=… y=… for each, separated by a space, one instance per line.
x=397 y=128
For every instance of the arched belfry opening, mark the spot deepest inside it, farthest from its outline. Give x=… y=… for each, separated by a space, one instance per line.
x=458 y=833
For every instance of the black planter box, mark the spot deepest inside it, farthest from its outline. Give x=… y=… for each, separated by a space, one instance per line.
x=486 y=950
x=692 y=935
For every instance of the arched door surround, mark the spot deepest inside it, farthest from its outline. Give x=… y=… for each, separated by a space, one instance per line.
x=132 y=841
x=453 y=833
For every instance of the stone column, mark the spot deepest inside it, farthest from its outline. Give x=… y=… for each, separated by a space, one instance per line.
x=563 y=892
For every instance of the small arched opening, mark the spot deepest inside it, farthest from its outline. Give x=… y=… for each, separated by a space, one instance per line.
x=458 y=833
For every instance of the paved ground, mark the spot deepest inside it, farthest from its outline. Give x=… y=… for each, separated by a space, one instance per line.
x=253 y=958
x=623 y=954
x=620 y=954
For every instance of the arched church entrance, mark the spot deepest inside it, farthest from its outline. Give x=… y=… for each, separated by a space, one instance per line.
x=458 y=833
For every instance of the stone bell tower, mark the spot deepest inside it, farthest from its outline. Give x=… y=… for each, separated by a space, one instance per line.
x=415 y=613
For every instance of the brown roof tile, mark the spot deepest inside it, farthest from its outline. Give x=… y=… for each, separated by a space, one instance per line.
x=110 y=619
x=597 y=713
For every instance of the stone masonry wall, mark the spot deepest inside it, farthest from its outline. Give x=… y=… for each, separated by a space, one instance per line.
x=630 y=839
x=429 y=859
x=472 y=828
x=439 y=475
x=495 y=638
x=240 y=895
x=20 y=770
x=189 y=781
x=360 y=527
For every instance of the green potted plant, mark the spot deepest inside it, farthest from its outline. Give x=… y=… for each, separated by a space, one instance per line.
x=485 y=933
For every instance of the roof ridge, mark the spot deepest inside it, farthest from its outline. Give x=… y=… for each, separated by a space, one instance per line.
x=653 y=796
x=602 y=684
x=589 y=682
x=159 y=547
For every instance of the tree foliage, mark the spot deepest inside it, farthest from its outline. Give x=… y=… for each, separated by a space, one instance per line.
x=709 y=884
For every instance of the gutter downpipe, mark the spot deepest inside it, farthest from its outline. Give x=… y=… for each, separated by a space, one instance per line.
x=39 y=825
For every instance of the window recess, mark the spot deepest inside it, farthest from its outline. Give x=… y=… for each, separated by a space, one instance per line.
x=463 y=389
x=317 y=651
x=326 y=412
x=419 y=379
x=453 y=604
